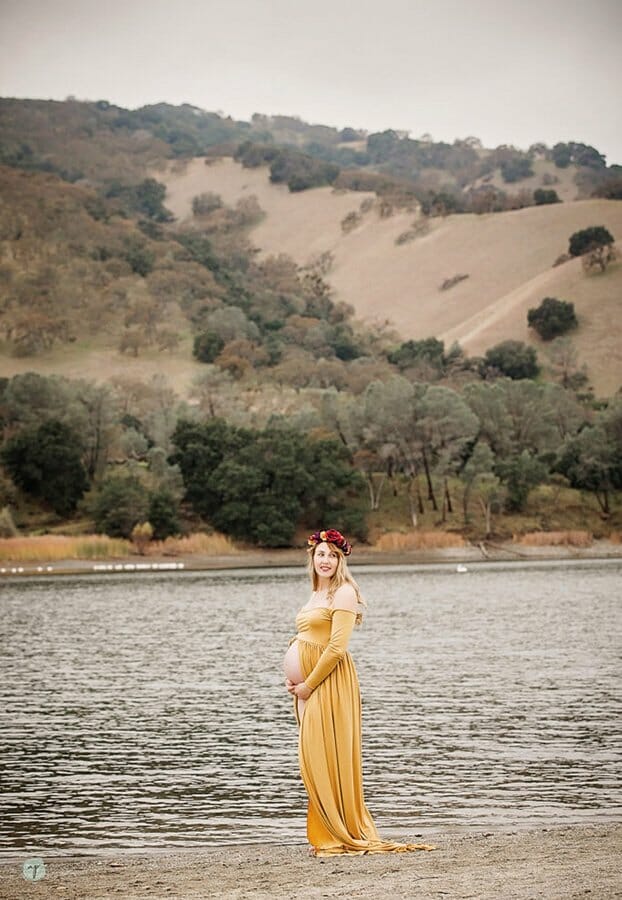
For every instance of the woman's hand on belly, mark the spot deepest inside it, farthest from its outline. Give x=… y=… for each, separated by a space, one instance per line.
x=291 y=687
x=302 y=691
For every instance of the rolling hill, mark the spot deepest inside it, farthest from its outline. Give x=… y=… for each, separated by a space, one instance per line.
x=467 y=278
x=392 y=267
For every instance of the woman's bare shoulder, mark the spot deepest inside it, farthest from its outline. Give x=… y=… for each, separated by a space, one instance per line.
x=345 y=598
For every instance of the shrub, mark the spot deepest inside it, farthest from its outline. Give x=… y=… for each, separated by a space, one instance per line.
x=141 y=535
x=610 y=190
x=589 y=239
x=45 y=462
x=207 y=346
x=520 y=474
x=121 y=502
x=541 y=197
x=516 y=169
x=140 y=257
x=514 y=359
x=552 y=318
x=163 y=515
x=410 y=353
x=149 y=199
x=206 y=203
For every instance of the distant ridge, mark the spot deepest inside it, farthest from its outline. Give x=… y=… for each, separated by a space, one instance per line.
x=355 y=199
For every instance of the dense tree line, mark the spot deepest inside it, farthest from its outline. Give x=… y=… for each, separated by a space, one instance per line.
x=132 y=453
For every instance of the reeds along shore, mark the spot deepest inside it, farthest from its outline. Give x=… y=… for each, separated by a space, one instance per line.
x=54 y=547
x=51 y=548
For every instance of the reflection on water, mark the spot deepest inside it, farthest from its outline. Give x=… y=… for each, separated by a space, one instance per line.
x=143 y=711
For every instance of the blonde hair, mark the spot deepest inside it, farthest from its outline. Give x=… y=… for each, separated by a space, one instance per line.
x=341 y=576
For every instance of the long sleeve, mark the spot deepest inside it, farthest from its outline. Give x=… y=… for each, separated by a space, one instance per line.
x=342 y=625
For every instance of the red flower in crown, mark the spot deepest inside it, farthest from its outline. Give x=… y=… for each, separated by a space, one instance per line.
x=331 y=536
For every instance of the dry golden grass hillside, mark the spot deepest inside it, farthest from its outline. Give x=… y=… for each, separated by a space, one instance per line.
x=393 y=267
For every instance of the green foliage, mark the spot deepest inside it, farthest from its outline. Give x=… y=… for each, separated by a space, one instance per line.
x=163 y=515
x=121 y=502
x=186 y=129
x=151 y=229
x=514 y=359
x=199 y=249
x=206 y=203
x=404 y=157
x=579 y=154
x=207 y=345
x=410 y=353
x=150 y=196
x=562 y=155
x=611 y=188
x=589 y=239
x=24 y=157
x=288 y=166
x=591 y=462
x=383 y=144
x=259 y=485
x=542 y=197
x=552 y=318
x=441 y=203
x=520 y=474
x=45 y=462
x=516 y=168
x=592 y=459
x=145 y=198
x=301 y=172
x=252 y=155
x=344 y=344
x=140 y=257
x=349 y=134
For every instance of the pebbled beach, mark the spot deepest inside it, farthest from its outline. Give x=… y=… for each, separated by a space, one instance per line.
x=570 y=862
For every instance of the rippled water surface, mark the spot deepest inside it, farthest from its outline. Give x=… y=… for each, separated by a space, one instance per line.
x=144 y=711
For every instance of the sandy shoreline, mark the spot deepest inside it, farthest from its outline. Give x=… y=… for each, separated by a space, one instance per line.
x=295 y=558
x=570 y=862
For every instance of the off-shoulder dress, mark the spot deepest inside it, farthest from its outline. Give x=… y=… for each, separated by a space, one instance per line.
x=338 y=820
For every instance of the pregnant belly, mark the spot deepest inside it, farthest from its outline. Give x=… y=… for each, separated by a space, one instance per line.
x=291 y=664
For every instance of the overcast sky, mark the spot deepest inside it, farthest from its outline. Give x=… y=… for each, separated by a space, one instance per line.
x=502 y=70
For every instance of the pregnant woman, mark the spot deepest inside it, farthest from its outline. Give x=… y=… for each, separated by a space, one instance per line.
x=320 y=674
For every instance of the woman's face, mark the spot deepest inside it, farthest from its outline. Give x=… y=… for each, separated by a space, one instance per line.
x=325 y=560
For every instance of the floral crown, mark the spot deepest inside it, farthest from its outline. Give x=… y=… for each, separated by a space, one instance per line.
x=331 y=536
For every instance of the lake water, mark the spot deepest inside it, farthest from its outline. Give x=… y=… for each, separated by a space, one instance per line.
x=143 y=711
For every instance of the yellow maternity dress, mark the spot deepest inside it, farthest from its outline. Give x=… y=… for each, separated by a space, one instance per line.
x=330 y=739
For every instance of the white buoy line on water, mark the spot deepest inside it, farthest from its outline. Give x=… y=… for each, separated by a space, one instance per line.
x=136 y=567
x=98 y=567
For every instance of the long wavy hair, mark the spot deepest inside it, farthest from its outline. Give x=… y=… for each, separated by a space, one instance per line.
x=342 y=575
